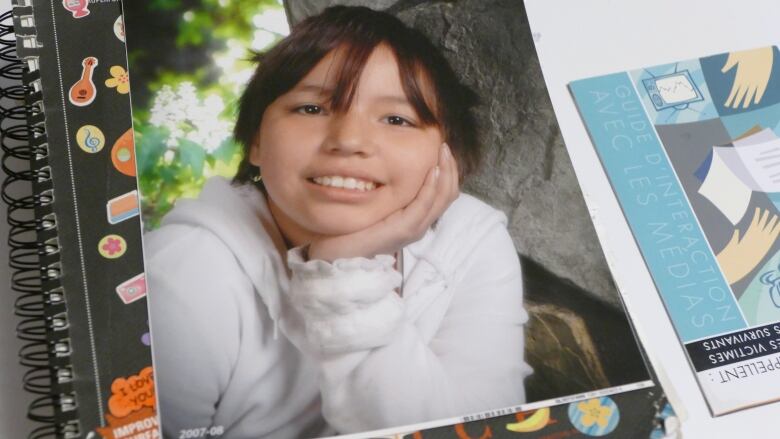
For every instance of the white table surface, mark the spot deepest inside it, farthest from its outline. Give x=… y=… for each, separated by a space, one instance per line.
x=578 y=39
x=575 y=39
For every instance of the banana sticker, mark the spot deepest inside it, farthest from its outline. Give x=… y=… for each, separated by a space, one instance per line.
x=535 y=422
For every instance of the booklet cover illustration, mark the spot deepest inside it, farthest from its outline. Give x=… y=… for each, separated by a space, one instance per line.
x=692 y=152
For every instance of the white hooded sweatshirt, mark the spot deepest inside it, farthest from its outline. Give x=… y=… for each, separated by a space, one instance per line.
x=258 y=350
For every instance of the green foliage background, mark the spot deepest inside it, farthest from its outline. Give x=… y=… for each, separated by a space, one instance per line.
x=171 y=42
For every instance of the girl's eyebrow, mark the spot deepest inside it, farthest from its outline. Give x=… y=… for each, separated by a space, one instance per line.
x=398 y=99
x=322 y=90
x=313 y=88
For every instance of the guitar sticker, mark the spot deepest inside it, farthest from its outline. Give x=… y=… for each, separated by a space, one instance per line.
x=83 y=92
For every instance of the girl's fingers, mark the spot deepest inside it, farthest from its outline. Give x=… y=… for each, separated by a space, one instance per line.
x=411 y=216
x=455 y=178
x=442 y=189
x=450 y=185
x=399 y=228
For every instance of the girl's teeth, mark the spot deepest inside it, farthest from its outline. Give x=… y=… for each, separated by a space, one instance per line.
x=346 y=183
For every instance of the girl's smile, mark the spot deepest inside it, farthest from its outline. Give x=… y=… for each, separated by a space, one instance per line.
x=330 y=173
x=338 y=188
x=345 y=183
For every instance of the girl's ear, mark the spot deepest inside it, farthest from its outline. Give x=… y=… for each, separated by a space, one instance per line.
x=254 y=150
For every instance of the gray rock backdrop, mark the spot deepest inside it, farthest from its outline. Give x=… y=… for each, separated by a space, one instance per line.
x=527 y=172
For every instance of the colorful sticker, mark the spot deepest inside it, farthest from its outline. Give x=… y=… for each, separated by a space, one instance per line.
x=132 y=394
x=146 y=338
x=132 y=289
x=119 y=29
x=112 y=246
x=460 y=431
x=119 y=79
x=122 y=207
x=536 y=421
x=595 y=417
x=83 y=92
x=90 y=139
x=79 y=8
x=123 y=154
x=667 y=424
x=141 y=424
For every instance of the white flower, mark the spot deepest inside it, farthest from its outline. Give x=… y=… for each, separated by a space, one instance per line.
x=184 y=116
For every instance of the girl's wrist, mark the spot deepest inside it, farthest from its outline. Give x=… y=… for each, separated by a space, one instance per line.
x=305 y=252
x=319 y=251
x=312 y=251
x=329 y=251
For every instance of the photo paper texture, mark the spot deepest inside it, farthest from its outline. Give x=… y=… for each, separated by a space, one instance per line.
x=691 y=152
x=255 y=171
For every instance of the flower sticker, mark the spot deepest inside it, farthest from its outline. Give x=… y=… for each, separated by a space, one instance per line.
x=119 y=79
x=594 y=413
x=594 y=417
x=112 y=246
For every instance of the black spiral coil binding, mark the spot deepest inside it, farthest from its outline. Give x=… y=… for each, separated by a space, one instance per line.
x=34 y=248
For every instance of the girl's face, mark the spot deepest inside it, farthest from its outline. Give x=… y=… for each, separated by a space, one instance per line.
x=332 y=174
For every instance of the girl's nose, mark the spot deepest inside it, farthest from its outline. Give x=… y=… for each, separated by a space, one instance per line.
x=349 y=134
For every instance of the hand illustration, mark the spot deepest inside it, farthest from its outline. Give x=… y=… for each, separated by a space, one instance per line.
x=740 y=256
x=402 y=227
x=753 y=70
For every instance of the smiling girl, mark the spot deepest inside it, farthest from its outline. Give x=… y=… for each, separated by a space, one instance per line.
x=342 y=282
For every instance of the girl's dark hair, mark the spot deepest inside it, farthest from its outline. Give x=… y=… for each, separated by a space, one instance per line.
x=357 y=31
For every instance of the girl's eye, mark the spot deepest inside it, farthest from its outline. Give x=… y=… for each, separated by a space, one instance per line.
x=309 y=109
x=399 y=121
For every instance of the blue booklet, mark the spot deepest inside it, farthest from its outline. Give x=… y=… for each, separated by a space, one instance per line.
x=692 y=152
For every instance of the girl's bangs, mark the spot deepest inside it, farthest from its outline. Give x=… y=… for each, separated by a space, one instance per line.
x=350 y=60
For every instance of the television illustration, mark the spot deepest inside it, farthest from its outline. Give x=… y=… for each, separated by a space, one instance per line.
x=675 y=90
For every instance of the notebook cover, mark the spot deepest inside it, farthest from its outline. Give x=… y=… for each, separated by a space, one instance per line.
x=91 y=160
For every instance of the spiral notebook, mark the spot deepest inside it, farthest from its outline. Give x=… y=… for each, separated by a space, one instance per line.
x=77 y=252
x=80 y=268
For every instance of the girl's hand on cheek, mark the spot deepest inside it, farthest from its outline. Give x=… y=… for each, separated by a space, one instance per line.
x=402 y=227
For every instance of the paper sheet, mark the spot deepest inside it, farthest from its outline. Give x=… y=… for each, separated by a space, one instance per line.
x=724 y=188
